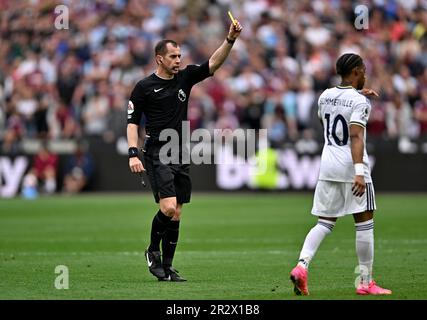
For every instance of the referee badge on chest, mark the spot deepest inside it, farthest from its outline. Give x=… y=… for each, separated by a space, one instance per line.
x=181 y=95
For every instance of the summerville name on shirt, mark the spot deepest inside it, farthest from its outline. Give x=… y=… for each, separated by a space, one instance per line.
x=337 y=102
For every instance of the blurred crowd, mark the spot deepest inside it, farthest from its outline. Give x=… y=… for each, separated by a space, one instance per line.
x=75 y=83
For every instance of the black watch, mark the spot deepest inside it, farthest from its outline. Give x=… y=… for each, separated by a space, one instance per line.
x=229 y=40
x=133 y=152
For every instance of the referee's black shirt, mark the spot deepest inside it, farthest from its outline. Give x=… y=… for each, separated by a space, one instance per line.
x=164 y=102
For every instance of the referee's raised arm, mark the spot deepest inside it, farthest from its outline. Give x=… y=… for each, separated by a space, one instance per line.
x=219 y=56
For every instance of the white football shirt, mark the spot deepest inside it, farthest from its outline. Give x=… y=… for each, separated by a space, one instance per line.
x=339 y=108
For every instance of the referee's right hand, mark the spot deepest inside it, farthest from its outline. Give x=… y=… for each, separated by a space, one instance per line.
x=135 y=165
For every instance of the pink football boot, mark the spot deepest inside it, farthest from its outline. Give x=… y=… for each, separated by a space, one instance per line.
x=299 y=276
x=372 y=289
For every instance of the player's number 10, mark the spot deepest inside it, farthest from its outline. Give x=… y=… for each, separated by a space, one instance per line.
x=338 y=141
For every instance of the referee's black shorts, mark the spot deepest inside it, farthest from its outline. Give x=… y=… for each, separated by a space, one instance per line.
x=167 y=180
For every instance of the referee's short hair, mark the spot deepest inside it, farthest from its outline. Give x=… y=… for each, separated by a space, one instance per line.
x=161 y=46
x=347 y=62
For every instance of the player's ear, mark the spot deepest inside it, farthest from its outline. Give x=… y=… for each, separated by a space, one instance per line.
x=355 y=71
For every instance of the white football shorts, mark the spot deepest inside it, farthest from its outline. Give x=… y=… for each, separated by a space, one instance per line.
x=335 y=199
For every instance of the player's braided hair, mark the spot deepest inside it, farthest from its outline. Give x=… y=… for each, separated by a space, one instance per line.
x=347 y=62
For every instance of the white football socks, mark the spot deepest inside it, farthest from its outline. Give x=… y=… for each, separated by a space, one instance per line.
x=313 y=240
x=365 y=249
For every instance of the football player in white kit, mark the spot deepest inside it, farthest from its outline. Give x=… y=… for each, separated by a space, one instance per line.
x=345 y=185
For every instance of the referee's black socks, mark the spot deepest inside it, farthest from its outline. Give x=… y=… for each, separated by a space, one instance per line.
x=169 y=242
x=158 y=229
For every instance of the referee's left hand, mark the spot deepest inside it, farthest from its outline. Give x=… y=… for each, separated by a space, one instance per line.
x=135 y=165
x=235 y=30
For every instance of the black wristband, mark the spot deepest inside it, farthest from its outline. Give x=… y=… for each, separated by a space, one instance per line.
x=229 y=40
x=133 y=152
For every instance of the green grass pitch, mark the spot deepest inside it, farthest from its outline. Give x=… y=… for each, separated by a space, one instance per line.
x=231 y=247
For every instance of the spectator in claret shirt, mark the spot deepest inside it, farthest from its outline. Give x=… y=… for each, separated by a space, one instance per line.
x=45 y=167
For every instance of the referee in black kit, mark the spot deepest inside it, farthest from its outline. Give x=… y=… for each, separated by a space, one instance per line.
x=163 y=98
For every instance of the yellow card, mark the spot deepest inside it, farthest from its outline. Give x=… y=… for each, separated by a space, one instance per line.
x=232 y=18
